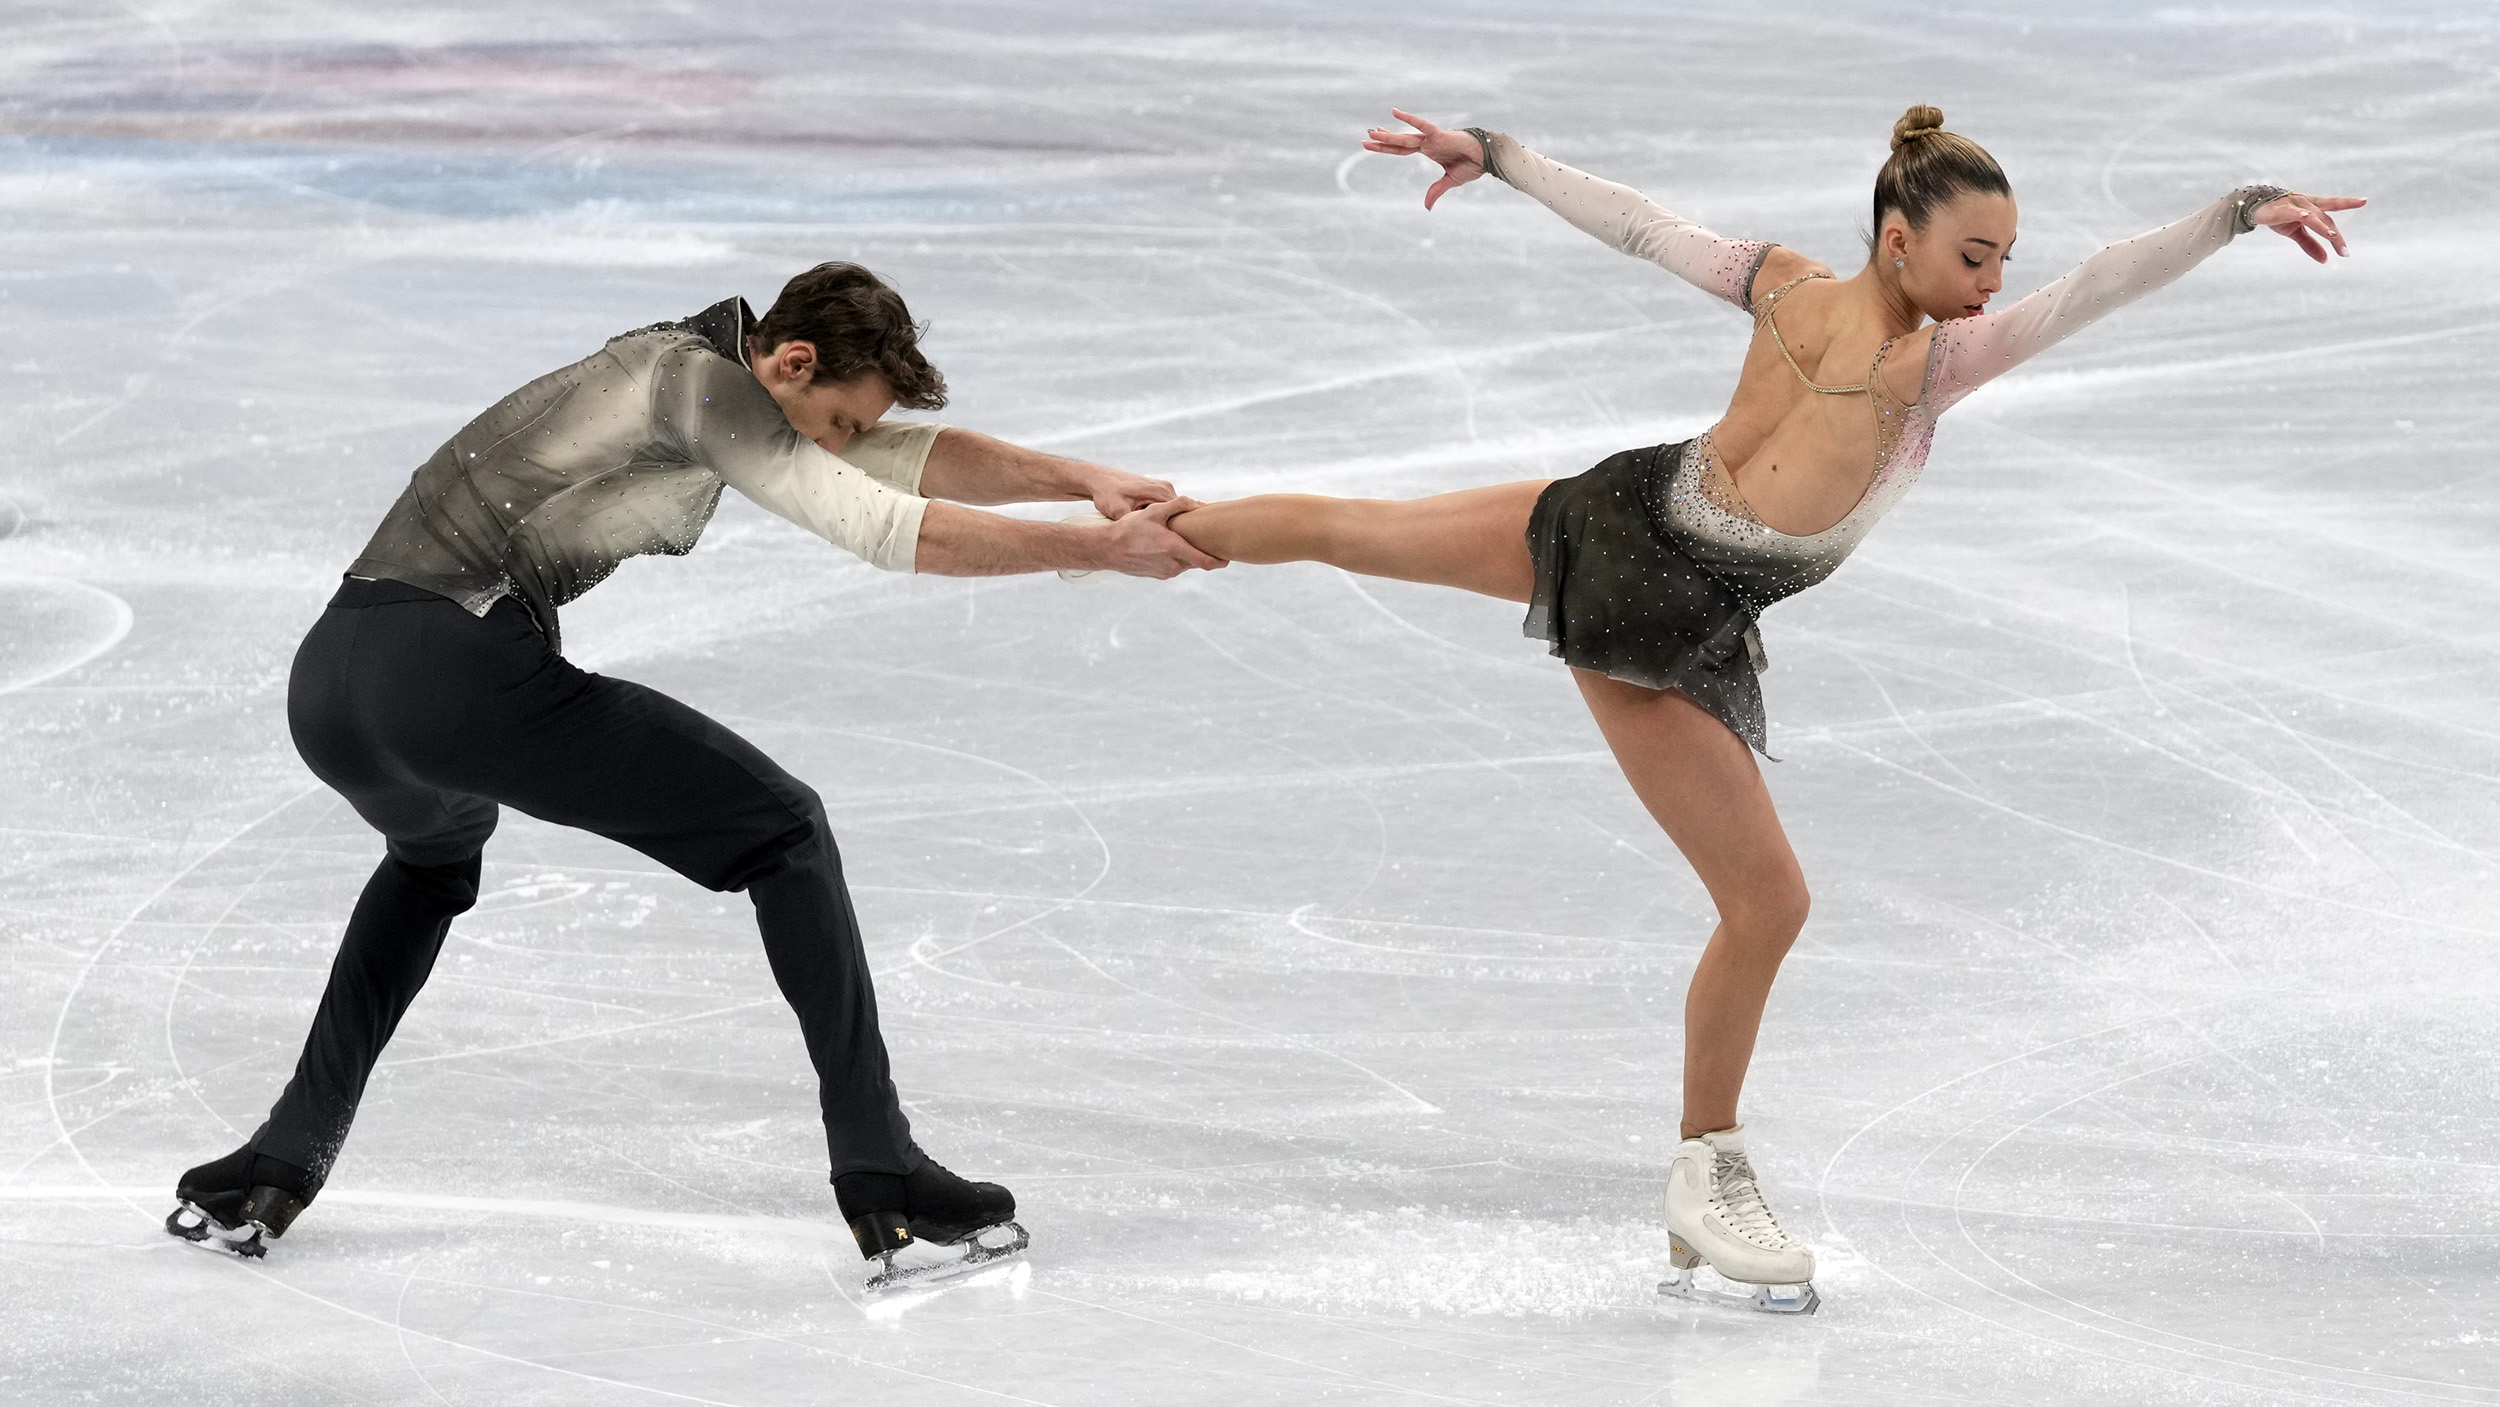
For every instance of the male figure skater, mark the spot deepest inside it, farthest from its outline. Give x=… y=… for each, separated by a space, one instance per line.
x=432 y=691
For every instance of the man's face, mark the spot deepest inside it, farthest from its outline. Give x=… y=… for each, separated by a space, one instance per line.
x=828 y=412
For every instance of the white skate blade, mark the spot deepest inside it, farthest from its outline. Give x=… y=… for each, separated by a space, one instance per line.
x=1736 y=1294
x=200 y=1229
x=975 y=1255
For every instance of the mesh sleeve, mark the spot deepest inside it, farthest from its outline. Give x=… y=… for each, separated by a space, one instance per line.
x=1628 y=221
x=1971 y=352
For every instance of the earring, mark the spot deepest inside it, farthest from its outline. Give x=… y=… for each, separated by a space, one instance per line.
x=1900 y=264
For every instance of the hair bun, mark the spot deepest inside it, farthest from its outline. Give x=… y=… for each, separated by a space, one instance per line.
x=1918 y=122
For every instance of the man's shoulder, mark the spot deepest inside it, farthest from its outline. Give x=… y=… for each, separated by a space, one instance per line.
x=720 y=329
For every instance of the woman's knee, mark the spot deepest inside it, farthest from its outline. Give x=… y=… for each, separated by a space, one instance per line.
x=1771 y=914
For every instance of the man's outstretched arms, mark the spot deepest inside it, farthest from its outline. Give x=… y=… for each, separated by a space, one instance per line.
x=878 y=490
x=959 y=541
x=965 y=466
x=969 y=467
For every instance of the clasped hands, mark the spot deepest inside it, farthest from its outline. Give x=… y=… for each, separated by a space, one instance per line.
x=1141 y=512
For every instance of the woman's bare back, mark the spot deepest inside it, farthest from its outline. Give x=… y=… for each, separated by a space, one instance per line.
x=1800 y=460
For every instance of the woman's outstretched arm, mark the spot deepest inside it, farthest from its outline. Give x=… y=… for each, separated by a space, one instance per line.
x=1622 y=217
x=1970 y=352
x=1475 y=539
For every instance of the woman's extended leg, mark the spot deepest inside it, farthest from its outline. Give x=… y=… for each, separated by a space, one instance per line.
x=1476 y=539
x=1701 y=783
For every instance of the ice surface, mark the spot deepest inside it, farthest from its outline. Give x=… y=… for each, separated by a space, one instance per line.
x=1287 y=941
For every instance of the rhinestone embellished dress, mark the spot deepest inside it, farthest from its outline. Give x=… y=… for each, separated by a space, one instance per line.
x=624 y=453
x=1650 y=567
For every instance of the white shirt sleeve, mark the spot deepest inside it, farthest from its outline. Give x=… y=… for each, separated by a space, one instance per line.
x=895 y=451
x=1628 y=221
x=724 y=419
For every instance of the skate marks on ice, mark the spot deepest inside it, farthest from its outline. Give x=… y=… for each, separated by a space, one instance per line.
x=52 y=625
x=470 y=1289
x=2173 y=1242
x=1414 y=1262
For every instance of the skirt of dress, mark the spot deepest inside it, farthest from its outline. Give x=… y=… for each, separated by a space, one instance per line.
x=1616 y=592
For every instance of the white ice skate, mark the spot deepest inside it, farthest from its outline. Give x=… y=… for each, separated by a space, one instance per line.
x=1089 y=516
x=1716 y=1217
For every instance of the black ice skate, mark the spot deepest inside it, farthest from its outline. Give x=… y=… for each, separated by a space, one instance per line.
x=235 y=1203
x=889 y=1215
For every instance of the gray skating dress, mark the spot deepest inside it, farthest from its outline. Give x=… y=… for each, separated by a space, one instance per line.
x=1650 y=567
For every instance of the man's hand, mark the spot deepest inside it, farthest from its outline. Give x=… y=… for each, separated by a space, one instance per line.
x=1117 y=493
x=959 y=541
x=1142 y=543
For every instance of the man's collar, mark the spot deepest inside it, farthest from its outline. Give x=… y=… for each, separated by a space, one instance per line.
x=725 y=327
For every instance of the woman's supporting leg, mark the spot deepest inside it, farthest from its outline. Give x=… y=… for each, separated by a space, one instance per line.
x=1701 y=784
x=1476 y=539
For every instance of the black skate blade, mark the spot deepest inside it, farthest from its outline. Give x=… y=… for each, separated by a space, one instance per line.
x=200 y=1229
x=977 y=1254
x=1768 y=1299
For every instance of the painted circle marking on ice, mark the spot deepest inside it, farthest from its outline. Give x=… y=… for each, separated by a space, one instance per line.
x=11 y=517
x=51 y=625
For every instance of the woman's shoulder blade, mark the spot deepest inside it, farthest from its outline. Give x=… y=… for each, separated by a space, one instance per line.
x=1784 y=265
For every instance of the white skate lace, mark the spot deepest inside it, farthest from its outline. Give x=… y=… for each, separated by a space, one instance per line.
x=1741 y=1206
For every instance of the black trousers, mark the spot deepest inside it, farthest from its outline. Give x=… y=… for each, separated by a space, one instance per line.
x=427 y=718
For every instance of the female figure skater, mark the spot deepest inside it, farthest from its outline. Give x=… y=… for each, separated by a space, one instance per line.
x=1646 y=573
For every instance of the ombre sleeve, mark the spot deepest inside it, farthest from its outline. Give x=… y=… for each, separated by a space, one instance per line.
x=1628 y=221
x=723 y=419
x=1970 y=352
x=893 y=451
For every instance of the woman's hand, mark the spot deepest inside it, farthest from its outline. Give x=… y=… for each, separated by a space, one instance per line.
x=2303 y=219
x=1461 y=158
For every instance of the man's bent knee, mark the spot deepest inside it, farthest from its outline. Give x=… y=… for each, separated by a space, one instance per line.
x=446 y=888
x=806 y=844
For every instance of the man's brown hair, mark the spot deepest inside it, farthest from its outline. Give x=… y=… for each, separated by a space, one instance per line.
x=858 y=325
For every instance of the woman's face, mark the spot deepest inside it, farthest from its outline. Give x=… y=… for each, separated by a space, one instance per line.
x=1954 y=266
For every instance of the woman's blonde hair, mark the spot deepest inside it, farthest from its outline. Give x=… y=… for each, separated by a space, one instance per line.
x=1930 y=167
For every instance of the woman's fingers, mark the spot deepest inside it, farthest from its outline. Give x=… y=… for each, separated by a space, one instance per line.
x=1410 y=119
x=2320 y=221
x=1440 y=188
x=2304 y=221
